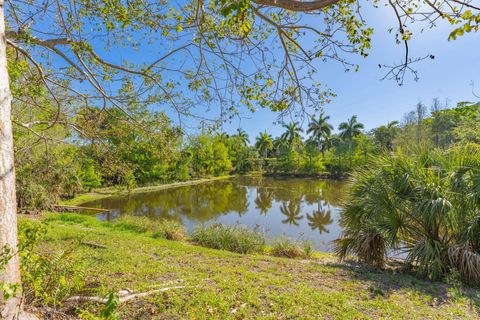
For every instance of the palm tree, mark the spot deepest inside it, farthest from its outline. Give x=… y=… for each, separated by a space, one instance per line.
x=292 y=212
x=392 y=124
x=327 y=143
x=222 y=136
x=279 y=145
x=264 y=143
x=320 y=129
x=292 y=132
x=243 y=136
x=425 y=205
x=384 y=135
x=348 y=130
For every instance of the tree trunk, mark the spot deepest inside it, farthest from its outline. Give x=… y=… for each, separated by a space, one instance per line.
x=8 y=205
x=350 y=152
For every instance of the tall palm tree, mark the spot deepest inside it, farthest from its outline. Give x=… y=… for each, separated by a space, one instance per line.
x=292 y=132
x=279 y=145
x=243 y=136
x=350 y=129
x=392 y=129
x=264 y=143
x=320 y=129
x=392 y=124
x=327 y=143
x=222 y=136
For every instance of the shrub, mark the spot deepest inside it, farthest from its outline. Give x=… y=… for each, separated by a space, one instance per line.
x=238 y=239
x=33 y=195
x=165 y=229
x=48 y=279
x=171 y=230
x=89 y=177
x=291 y=249
x=425 y=204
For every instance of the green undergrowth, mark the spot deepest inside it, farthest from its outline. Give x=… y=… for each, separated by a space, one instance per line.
x=238 y=239
x=166 y=229
x=283 y=247
x=218 y=284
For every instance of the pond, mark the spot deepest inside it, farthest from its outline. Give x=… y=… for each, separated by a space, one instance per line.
x=296 y=208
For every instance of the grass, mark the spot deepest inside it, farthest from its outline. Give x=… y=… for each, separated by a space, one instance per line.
x=224 y=285
x=238 y=239
x=284 y=247
x=165 y=229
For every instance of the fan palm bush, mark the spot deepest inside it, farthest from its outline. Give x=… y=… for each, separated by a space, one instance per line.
x=425 y=204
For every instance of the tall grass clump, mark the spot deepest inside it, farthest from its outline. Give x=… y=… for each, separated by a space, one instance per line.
x=426 y=204
x=165 y=229
x=284 y=247
x=238 y=239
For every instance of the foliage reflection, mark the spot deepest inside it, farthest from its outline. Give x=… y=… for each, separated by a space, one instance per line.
x=290 y=200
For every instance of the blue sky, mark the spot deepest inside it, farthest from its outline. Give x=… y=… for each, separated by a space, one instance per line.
x=362 y=93
x=376 y=102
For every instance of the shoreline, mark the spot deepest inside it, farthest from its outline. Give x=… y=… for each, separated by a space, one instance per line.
x=326 y=175
x=107 y=192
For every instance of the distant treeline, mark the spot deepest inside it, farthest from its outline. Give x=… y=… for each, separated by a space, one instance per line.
x=97 y=148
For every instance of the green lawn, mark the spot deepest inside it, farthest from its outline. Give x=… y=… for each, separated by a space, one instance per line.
x=224 y=285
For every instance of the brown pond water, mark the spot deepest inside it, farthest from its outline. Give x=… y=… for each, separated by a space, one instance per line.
x=296 y=208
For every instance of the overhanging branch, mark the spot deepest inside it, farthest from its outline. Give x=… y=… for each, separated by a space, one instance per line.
x=298 y=6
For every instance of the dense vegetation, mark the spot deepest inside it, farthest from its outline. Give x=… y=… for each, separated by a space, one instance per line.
x=414 y=182
x=421 y=201
x=116 y=151
x=83 y=120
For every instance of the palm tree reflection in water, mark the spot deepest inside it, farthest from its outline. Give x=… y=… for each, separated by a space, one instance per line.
x=320 y=218
x=292 y=212
x=290 y=206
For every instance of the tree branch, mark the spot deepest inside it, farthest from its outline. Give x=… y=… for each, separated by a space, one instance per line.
x=298 y=6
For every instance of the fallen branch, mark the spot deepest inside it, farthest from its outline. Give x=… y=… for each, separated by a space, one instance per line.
x=124 y=298
x=125 y=295
x=61 y=207
x=94 y=245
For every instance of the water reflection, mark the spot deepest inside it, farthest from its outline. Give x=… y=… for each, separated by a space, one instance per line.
x=291 y=207
x=291 y=211
x=320 y=218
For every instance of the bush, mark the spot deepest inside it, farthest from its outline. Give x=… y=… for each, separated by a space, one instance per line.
x=32 y=195
x=165 y=229
x=238 y=239
x=291 y=249
x=425 y=204
x=171 y=230
x=48 y=279
x=89 y=177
